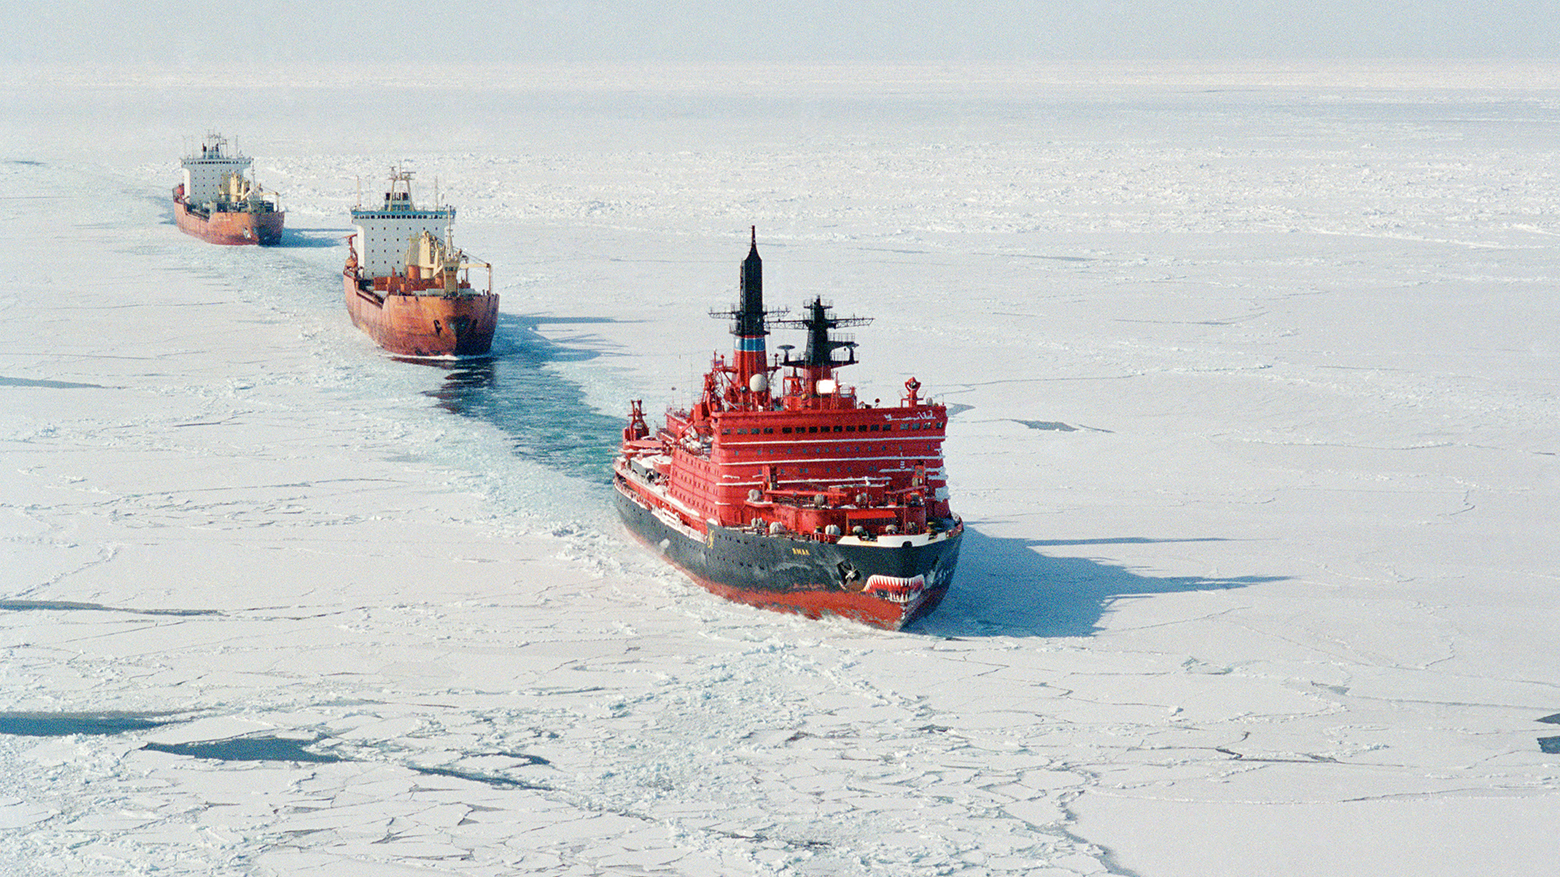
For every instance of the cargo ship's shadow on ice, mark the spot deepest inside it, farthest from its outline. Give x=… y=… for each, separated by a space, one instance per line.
x=546 y=416
x=1006 y=587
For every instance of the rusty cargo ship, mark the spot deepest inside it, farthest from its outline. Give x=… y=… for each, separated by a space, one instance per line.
x=219 y=203
x=407 y=285
x=797 y=497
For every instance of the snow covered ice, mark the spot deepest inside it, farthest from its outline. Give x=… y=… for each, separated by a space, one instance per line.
x=1254 y=372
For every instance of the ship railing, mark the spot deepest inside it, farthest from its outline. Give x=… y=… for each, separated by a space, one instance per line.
x=864 y=491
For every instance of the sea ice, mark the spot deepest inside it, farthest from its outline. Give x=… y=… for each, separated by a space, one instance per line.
x=1252 y=375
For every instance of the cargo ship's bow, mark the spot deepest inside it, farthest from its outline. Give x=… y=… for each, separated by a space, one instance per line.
x=423 y=325
x=230 y=228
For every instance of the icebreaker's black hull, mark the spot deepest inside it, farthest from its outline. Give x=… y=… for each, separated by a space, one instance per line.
x=888 y=583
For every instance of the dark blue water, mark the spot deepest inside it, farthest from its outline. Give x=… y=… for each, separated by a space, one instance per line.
x=249 y=749
x=72 y=606
x=495 y=780
x=544 y=415
x=44 y=382
x=68 y=724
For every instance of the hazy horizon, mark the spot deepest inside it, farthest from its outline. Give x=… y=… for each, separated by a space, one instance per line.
x=782 y=31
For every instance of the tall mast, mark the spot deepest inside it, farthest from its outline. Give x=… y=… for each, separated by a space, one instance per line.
x=818 y=361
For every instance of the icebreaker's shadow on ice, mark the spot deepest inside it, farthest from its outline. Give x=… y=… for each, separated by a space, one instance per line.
x=545 y=415
x=1006 y=587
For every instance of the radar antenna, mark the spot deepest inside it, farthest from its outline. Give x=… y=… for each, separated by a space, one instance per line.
x=821 y=341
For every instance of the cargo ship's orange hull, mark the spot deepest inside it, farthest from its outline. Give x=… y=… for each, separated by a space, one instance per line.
x=235 y=228
x=423 y=325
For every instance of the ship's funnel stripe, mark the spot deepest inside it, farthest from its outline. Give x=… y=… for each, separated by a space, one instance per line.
x=751 y=345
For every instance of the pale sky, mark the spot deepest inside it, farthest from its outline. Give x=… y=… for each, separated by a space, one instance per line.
x=771 y=31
